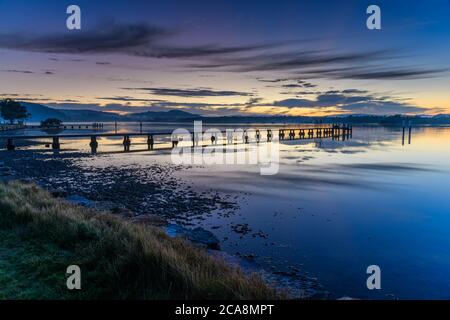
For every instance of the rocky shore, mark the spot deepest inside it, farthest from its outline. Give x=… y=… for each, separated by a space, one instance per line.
x=151 y=194
x=148 y=194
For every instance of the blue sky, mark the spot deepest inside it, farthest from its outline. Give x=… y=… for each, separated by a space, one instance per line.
x=228 y=57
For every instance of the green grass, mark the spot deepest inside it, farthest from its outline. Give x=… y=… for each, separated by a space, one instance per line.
x=40 y=236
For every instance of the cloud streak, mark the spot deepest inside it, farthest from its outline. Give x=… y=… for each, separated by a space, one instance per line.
x=323 y=64
x=136 y=39
x=352 y=101
x=105 y=39
x=186 y=93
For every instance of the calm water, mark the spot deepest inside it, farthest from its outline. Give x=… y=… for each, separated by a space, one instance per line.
x=336 y=207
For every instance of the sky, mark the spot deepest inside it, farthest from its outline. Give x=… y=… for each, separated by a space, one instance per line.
x=228 y=57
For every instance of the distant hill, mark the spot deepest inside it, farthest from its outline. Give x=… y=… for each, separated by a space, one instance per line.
x=40 y=112
x=171 y=115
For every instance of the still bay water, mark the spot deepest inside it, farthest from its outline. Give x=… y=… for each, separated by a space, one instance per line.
x=336 y=207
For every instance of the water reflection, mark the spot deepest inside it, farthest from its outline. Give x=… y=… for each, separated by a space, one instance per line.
x=335 y=208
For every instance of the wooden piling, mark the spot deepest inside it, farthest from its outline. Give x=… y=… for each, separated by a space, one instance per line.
x=55 y=144
x=93 y=144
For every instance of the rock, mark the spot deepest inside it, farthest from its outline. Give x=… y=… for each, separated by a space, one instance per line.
x=197 y=236
x=27 y=181
x=82 y=201
x=58 y=193
x=124 y=212
x=200 y=235
x=150 y=219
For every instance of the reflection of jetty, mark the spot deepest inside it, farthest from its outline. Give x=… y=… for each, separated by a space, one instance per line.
x=245 y=136
x=335 y=132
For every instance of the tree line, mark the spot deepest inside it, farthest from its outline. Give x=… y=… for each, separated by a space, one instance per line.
x=11 y=110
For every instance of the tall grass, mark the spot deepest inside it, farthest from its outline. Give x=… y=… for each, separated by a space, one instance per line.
x=40 y=236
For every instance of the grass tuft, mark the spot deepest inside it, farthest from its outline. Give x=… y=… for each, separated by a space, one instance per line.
x=40 y=236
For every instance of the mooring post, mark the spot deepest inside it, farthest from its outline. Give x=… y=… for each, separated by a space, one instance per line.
x=150 y=142
x=269 y=135
x=126 y=143
x=93 y=144
x=409 y=134
x=55 y=143
x=403 y=133
x=10 y=145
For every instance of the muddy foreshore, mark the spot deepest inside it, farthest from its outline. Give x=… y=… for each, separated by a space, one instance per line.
x=149 y=193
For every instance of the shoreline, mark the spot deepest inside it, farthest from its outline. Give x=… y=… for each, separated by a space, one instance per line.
x=158 y=198
x=42 y=236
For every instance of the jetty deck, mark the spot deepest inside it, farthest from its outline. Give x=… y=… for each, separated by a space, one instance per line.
x=245 y=136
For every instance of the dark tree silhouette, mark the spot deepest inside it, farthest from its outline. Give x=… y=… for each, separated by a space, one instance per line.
x=51 y=122
x=12 y=110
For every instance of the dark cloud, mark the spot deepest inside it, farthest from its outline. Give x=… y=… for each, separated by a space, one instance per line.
x=350 y=101
x=138 y=39
x=202 y=51
x=18 y=71
x=102 y=63
x=20 y=94
x=253 y=101
x=301 y=93
x=274 y=80
x=128 y=80
x=198 y=92
x=375 y=73
x=299 y=85
x=294 y=60
x=323 y=64
x=145 y=40
x=124 y=99
x=352 y=91
x=109 y=38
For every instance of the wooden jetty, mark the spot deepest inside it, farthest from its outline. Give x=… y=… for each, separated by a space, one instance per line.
x=78 y=126
x=8 y=127
x=336 y=132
